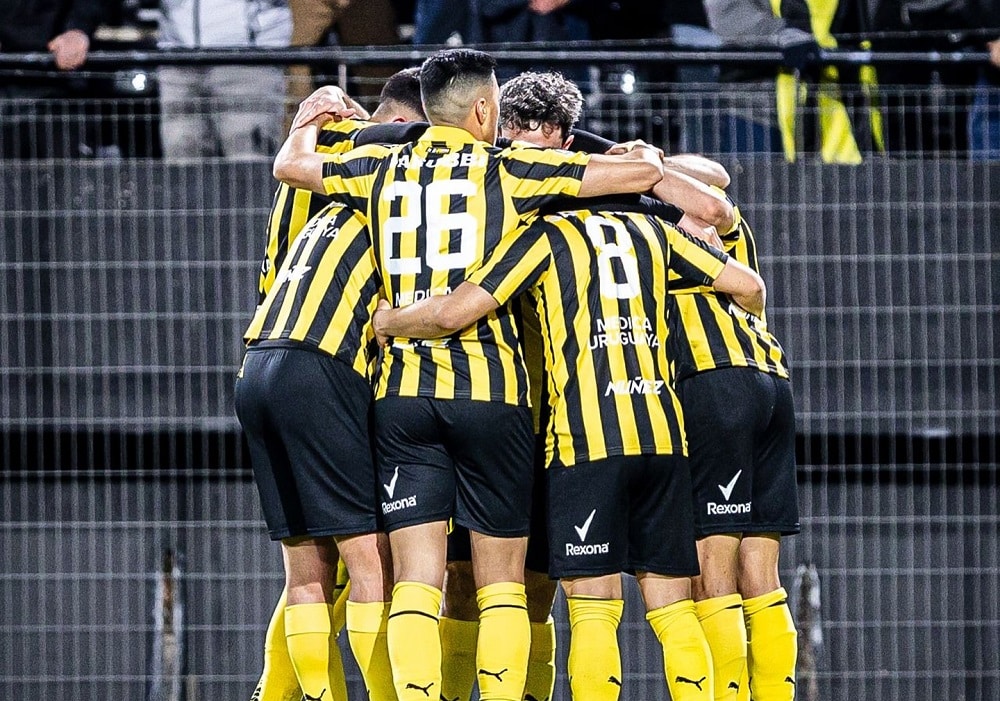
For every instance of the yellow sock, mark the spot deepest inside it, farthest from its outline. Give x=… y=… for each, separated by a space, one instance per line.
x=504 y=641
x=687 y=659
x=366 y=632
x=721 y=618
x=414 y=641
x=595 y=664
x=313 y=650
x=458 y=658
x=277 y=680
x=541 y=662
x=772 y=647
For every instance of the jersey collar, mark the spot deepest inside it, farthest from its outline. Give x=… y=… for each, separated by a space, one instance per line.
x=448 y=134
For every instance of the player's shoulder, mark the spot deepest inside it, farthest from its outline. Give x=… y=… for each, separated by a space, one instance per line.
x=338 y=136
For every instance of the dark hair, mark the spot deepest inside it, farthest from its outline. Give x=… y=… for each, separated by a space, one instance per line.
x=453 y=68
x=530 y=100
x=403 y=87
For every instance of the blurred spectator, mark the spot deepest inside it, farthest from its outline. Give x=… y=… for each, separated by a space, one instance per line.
x=552 y=21
x=819 y=122
x=437 y=21
x=222 y=110
x=64 y=28
x=347 y=23
x=926 y=105
x=984 y=116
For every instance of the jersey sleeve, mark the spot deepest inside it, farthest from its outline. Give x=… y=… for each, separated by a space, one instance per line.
x=536 y=176
x=349 y=177
x=339 y=137
x=392 y=133
x=516 y=264
x=693 y=262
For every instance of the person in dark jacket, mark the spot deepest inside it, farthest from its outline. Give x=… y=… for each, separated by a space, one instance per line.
x=64 y=28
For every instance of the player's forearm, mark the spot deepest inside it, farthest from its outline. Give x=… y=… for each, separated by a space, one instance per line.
x=636 y=171
x=420 y=320
x=700 y=168
x=696 y=198
x=297 y=163
x=744 y=286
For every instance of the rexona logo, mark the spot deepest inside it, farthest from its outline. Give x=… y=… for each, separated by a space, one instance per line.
x=586 y=548
x=395 y=505
x=715 y=509
x=637 y=385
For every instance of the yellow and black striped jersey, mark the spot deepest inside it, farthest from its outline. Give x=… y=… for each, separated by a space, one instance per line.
x=437 y=208
x=599 y=281
x=710 y=331
x=291 y=207
x=325 y=292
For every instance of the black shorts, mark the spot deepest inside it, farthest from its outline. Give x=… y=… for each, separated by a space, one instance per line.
x=621 y=514
x=740 y=425
x=537 y=558
x=305 y=415
x=454 y=458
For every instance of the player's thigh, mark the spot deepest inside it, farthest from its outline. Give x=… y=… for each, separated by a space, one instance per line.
x=722 y=414
x=587 y=519
x=660 y=521
x=775 y=491
x=248 y=122
x=416 y=473
x=492 y=445
x=305 y=415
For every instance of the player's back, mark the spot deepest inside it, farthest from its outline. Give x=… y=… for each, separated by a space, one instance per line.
x=441 y=205
x=603 y=306
x=325 y=291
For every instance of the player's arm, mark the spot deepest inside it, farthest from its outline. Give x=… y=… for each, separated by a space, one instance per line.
x=694 y=261
x=515 y=264
x=708 y=204
x=700 y=168
x=434 y=317
x=636 y=170
x=297 y=163
x=743 y=285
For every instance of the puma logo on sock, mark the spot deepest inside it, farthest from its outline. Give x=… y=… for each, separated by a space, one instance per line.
x=494 y=674
x=685 y=680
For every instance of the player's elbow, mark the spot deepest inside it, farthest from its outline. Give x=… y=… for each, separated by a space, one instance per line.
x=720 y=214
x=755 y=297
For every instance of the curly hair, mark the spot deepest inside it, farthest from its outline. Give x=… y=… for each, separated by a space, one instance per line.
x=530 y=100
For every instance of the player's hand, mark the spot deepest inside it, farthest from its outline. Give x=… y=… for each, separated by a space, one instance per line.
x=627 y=146
x=544 y=7
x=70 y=49
x=698 y=229
x=994 y=48
x=383 y=305
x=327 y=100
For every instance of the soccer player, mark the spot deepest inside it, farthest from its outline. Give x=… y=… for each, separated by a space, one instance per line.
x=291 y=209
x=733 y=384
x=618 y=482
x=453 y=428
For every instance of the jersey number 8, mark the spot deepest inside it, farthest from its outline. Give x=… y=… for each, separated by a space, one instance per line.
x=619 y=247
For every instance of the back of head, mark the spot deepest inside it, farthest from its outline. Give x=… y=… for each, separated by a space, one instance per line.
x=532 y=100
x=400 y=97
x=451 y=80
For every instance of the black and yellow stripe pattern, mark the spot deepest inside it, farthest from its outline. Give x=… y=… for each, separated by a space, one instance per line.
x=710 y=332
x=439 y=207
x=325 y=292
x=599 y=280
x=291 y=208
